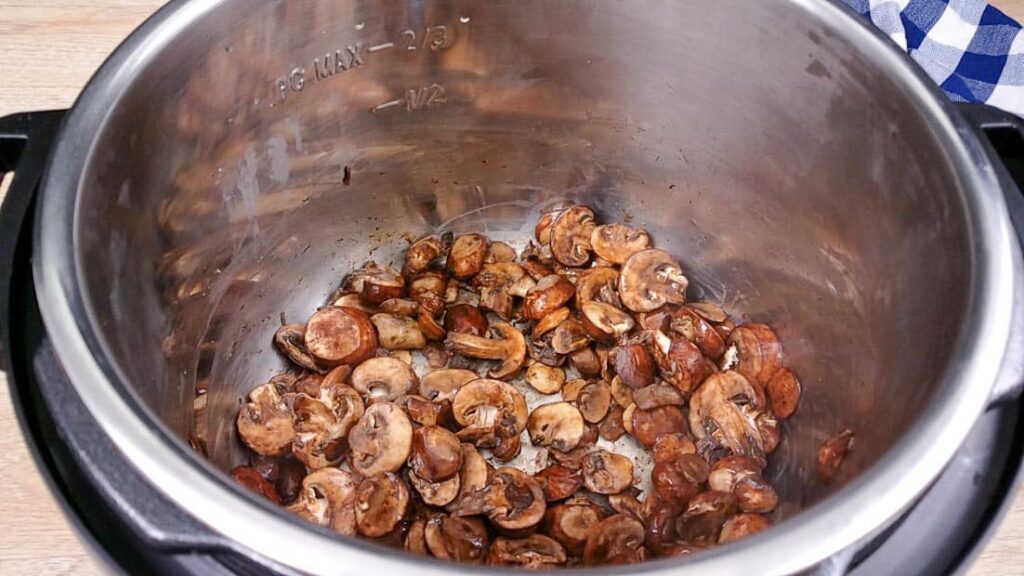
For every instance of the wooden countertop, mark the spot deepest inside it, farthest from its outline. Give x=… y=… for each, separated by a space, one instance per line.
x=48 y=51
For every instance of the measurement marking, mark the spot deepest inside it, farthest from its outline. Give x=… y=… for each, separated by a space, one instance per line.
x=386 y=105
x=379 y=47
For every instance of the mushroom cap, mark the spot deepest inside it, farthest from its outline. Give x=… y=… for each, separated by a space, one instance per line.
x=559 y=481
x=380 y=504
x=384 y=378
x=617 y=539
x=328 y=498
x=444 y=383
x=265 y=422
x=549 y=294
x=398 y=332
x=428 y=290
x=570 y=523
x=832 y=453
x=606 y=472
x=467 y=254
x=657 y=395
x=676 y=481
x=598 y=284
x=558 y=425
x=436 y=454
x=533 y=551
x=511 y=500
x=635 y=365
x=594 y=401
x=696 y=329
x=486 y=403
x=457 y=538
x=758 y=350
x=473 y=473
x=617 y=242
x=569 y=337
x=650 y=425
x=723 y=412
x=381 y=440
x=587 y=362
x=704 y=516
x=784 y=393
x=438 y=493
x=376 y=283
x=248 y=477
x=673 y=446
x=291 y=341
x=509 y=347
x=419 y=256
x=550 y=322
x=465 y=319
x=336 y=335
x=611 y=428
x=604 y=322
x=570 y=235
x=743 y=525
x=651 y=278
x=500 y=252
x=681 y=362
x=545 y=379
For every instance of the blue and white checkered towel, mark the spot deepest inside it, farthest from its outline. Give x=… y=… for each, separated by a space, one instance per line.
x=972 y=50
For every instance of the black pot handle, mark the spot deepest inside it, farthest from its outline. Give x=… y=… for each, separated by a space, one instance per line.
x=25 y=141
x=1003 y=138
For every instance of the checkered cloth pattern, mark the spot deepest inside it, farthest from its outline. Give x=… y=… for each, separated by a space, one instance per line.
x=972 y=50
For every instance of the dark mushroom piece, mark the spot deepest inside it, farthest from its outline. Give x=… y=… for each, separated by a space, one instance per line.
x=489 y=410
x=375 y=283
x=398 y=332
x=542 y=230
x=742 y=477
x=436 y=453
x=650 y=425
x=440 y=493
x=340 y=336
x=248 y=477
x=291 y=341
x=680 y=362
x=424 y=251
x=676 y=481
x=535 y=551
x=467 y=254
x=384 y=379
x=352 y=300
x=465 y=319
x=474 y=471
x=549 y=294
x=783 y=391
x=598 y=285
x=741 y=526
x=759 y=354
x=605 y=323
x=587 y=362
x=571 y=523
x=621 y=392
x=607 y=473
x=499 y=252
x=723 y=414
x=570 y=235
x=328 y=499
x=618 y=539
x=457 y=538
x=594 y=401
x=399 y=307
x=617 y=242
x=549 y=322
x=265 y=422
x=509 y=348
x=611 y=427
x=569 y=337
x=416 y=538
x=832 y=453
x=701 y=522
x=635 y=366
x=559 y=482
x=650 y=279
x=673 y=447
x=558 y=425
x=656 y=396
x=429 y=326
x=571 y=389
x=444 y=383
x=320 y=440
x=381 y=440
x=494 y=282
x=428 y=290
x=696 y=329
x=380 y=504
x=511 y=500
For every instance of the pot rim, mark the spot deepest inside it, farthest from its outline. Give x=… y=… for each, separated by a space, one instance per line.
x=853 y=515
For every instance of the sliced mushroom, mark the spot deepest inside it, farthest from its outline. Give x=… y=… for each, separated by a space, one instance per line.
x=429 y=326
x=467 y=254
x=673 y=447
x=656 y=396
x=545 y=379
x=680 y=362
x=375 y=283
x=600 y=285
x=621 y=392
x=533 y=552
x=549 y=294
x=286 y=475
x=328 y=499
x=611 y=427
x=570 y=235
x=559 y=482
x=424 y=251
x=465 y=319
x=320 y=442
x=661 y=536
x=723 y=413
x=742 y=477
x=536 y=266
x=291 y=341
x=511 y=500
x=741 y=526
x=400 y=307
x=586 y=362
x=650 y=425
x=594 y=401
x=456 y=538
x=381 y=501
x=499 y=252
x=676 y=481
x=520 y=288
x=485 y=407
x=542 y=230
x=509 y=347
x=759 y=352
x=607 y=473
x=381 y=440
x=569 y=337
x=436 y=454
x=617 y=242
x=709 y=311
x=340 y=336
x=571 y=523
x=624 y=503
x=265 y=422
x=832 y=453
x=605 y=323
x=696 y=329
x=384 y=379
x=416 y=538
x=436 y=355
x=635 y=366
x=618 y=539
x=651 y=279
x=398 y=332
x=444 y=383
x=558 y=425
x=428 y=290
x=352 y=300
x=422 y=411
x=768 y=426
x=474 y=472
x=439 y=493
x=249 y=478
x=549 y=322
x=571 y=390
x=783 y=393
x=705 y=514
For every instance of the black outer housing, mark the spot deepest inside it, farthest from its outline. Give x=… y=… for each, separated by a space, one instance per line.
x=135 y=529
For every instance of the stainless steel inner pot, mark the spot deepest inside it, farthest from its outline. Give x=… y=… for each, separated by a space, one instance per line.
x=234 y=159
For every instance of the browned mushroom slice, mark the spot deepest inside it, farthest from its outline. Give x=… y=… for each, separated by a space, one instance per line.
x=428 y=290
x=783 y=393
x=467 y=254
x=723 y=413
x=651 y=279
x=570 y=524
x=376 y=283
x=465 y=319
x=696 y=329
x=661 y=536
x=456 y=538
x=603 y=322
x=832 y=453
x=381 y=440
x=340 y=336
x=709 y=311
x=291 y=341
x=483 y=405
x=509 y=347
x=650 y=425
x=676 y=481
x=344 y=401
x=436 y=355
x=586 y=362
x=439 y=493
x=419 y=256
x=635 y=366
x=558 y=425
x=511 y=500
x=534 y=552
x=705 y=514
x=429 y=325
x=598 y=285
x=499 y=252
x=545 y=379
x=759 y=353
x=549 y=294
x=559 y=482
x=249 y=478
x=265 y=422
x=352 y=300
x=536 y=267
x=381 y=500
x=571 y=389
x=569 y=337
x=681 y=362
x=444 y=383
x=618 y=539
x=499 y=275
x=398 y=332
x=549 y=322
x=607 y=473
x=328 y=499
x=319 y=441
x=399 y=307
x=420 y=410
x=742 y=525
x=384 y=379
x=657 y=395
x=673 y=447
x=594 y=401
x=416 y=538
x=621 y=392
x=436 y=453
x=570 y=235
x=474 y=472
x=617 y=242
x=611 y=427
x=742 y=477
x=768 y=426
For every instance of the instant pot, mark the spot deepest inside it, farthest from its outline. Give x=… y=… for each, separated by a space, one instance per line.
x=232 y=160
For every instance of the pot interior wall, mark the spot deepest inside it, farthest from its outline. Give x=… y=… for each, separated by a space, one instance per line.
x=794 y=179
